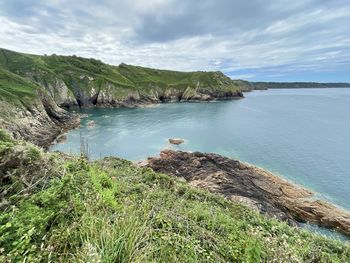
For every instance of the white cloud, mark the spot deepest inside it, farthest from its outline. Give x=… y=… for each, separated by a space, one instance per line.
x=260 y=36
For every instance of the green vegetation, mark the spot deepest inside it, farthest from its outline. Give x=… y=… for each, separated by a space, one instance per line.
x=88 y=77
x=22 y=74
x=15 y=89
x=62 y=208
x=32 y=86
x=56 y=207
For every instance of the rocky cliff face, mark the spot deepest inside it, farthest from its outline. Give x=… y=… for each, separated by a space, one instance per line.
x=86 y=92
x=76 y=81
x=253 y=186
x=39 y=122
x=105 y=98
x=34 y=89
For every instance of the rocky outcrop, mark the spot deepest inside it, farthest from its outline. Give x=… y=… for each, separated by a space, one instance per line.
x=39 y=122
x=83 y=90
x=107 y=97
x=55 y=87
x=253 y=186
x=176 y=141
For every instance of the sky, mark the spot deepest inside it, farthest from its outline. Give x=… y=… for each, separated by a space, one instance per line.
x=255 y=40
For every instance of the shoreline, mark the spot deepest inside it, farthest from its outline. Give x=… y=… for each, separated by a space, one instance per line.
x=253 y=186
x=307 y=208
x=48 y=142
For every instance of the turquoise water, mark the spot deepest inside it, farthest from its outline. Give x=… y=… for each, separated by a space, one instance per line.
x=302 y=135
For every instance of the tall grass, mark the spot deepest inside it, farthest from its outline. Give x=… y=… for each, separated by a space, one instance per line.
x=84 y=147
x=105 y=238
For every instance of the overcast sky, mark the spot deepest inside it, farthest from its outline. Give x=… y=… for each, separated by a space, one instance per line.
x=271 y=40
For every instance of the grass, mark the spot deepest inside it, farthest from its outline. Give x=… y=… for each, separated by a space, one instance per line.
x=15 y=89
x=111 y=211
x=84 y=75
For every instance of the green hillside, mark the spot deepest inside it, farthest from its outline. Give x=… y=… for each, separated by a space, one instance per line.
x=16 y=89
x=34 y=89
x=72 y=80
x=60 y=208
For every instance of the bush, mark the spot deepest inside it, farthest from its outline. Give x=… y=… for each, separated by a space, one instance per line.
x=5 y=137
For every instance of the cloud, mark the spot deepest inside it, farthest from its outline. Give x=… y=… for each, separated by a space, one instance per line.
x=264 y=38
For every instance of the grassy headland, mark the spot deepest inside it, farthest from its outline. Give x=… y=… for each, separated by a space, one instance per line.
x=33 y=87
x=72 y=80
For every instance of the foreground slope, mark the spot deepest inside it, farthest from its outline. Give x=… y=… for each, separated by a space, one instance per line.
x=56 y=207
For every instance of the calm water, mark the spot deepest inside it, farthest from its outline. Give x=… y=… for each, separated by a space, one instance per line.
x=302 y=135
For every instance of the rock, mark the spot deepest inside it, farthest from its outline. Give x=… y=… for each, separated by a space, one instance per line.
x=176 y=141
x=254 y=187
x=91 y=124
x=83 y=115
x=40 y=123
x=61 y=139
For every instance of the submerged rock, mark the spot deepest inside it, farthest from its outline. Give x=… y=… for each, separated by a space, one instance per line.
x=176 y=141
x=255 y=187
x=91 y=124
x=83 y=115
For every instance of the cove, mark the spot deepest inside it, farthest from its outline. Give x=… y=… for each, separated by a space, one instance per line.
x=299 y=134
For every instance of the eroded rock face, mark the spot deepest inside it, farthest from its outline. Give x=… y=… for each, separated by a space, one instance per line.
x=41 y=123
x=107 y=98
x=110 y=95
x=252 y=186
x=56 y=88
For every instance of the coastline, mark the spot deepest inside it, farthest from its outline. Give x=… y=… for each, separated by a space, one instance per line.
x=255 y=187
x=294 y=204
x=76 y=118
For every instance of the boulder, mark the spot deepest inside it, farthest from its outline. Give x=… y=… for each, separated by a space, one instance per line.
x=62 y=138
x=91 y=124
x=176 y=141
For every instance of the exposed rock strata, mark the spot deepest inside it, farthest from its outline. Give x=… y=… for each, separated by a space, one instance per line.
x=89 y=94
x=107 y=99
x=253 y=186
x=40 y=123
x=76 y=81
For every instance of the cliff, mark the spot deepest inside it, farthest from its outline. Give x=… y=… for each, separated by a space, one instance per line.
x=34 y=89
x=28 y=112
x=77 y=81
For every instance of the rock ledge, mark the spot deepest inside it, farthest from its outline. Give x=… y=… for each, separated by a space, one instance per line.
x=255 y=187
